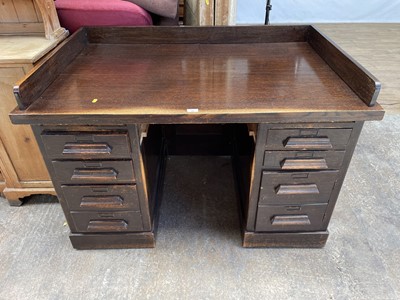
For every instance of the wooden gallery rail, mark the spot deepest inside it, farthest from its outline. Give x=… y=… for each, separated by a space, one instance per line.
x=107 y=101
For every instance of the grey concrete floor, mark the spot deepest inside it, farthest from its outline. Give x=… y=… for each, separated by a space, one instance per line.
x=198 y=254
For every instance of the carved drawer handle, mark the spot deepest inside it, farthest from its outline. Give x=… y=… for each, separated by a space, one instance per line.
x=298 y=143
x=95 y=174
x=86 y=148
x=107 y=225
x=293 y=220
x=297 y=189
x=101 y=202
x=300 y=164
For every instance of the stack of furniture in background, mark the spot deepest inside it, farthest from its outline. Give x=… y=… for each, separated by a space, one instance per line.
x=28 y=30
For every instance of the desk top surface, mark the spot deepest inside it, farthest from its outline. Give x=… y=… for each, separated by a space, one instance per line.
x=199 y=82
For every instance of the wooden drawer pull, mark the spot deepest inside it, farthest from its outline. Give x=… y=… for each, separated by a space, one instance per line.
x=102 y=202
x=100 y=174
x=107 y=225
x=293 y=220
x=300 y=164
x=86 y=148
x=298 y=143
x=297 y=189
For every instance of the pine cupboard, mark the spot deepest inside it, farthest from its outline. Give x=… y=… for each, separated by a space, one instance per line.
x=28 y=30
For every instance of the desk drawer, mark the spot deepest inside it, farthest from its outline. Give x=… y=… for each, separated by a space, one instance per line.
x=290 y=218
x=296 y=187
x=101 y=197
x=107 y=221
x=83 y=172
x=303 y=160
x=308 y=139
x=67 y=145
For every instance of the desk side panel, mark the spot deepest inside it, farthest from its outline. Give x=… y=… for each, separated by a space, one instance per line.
x=28 y=89
x=362 y=82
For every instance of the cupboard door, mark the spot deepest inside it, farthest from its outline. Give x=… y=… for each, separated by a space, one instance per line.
x=19 y=143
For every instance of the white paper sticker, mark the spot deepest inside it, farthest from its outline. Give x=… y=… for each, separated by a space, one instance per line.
x=192 y=110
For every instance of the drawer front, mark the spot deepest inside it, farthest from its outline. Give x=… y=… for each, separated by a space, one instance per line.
x=303 y=160
x=290 y=218
x=67 y=145
x=296 y=187
x=308 y=139
x=101 y=197
x=83 y=172
x=107 y=221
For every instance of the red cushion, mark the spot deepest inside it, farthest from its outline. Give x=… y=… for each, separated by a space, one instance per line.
x=74 y=14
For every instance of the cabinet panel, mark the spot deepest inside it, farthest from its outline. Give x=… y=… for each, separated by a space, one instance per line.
x=19 y=142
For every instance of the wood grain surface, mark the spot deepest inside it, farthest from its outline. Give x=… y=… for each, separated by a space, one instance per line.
x=180 y=80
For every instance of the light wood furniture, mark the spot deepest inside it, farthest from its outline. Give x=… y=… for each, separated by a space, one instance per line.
x=210 y=12
x=28 y=30
x=283 y=101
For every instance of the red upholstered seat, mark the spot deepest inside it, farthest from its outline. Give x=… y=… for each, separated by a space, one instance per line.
x=74 y=14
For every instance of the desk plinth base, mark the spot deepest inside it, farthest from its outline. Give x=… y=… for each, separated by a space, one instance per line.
x=112 y=240
x=285 y=240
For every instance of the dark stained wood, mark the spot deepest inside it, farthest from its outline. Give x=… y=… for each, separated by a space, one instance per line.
x=296 y=187
x=290 y=218
x=256 y=172
x=107 y=162
x=38 y=130
x=308 y=164
x=295 y=220
x=343 y=170
x=112 y=240
x=308 y=139
x=139 y=169
x=101 y=197
x=107 y=221
x=284 y=240
x=209 y=81
x=107 y=225
x=319 y=143
x=45 y=72
x=303 y=160
x=193 y=35
x=69 y=145
x=83 y=172
x=229 y=116
x=259 y=156
x=363 y=83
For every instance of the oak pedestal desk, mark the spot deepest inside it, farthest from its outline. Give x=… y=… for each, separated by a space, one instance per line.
x=108 y=104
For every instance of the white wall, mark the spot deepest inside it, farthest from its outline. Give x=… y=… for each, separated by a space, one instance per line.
x=318 y=11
